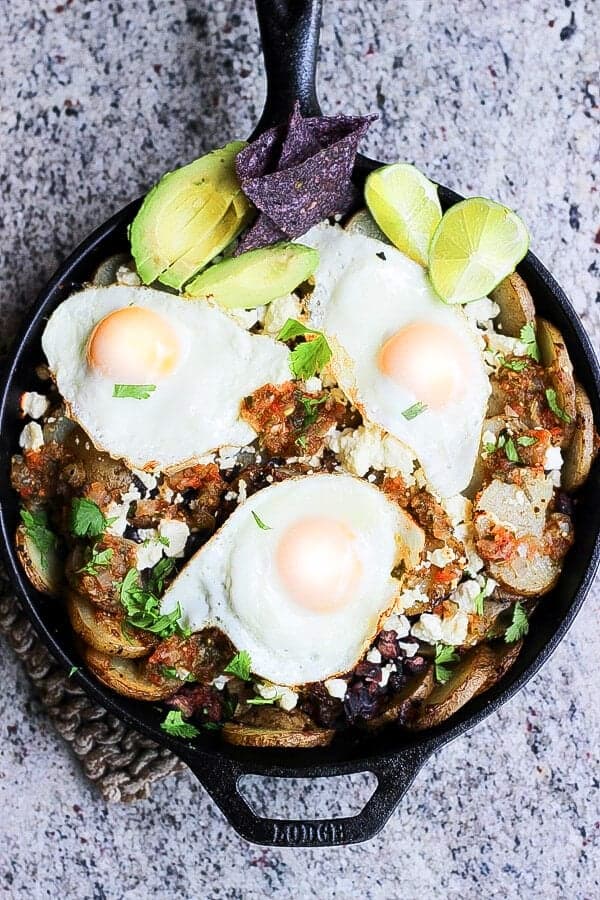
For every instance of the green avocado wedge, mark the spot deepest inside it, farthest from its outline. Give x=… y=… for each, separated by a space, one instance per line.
x=189 y=217
x=255 y=277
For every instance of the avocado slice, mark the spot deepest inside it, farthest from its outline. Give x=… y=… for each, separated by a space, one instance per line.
x=256 y=277
x=189 y=217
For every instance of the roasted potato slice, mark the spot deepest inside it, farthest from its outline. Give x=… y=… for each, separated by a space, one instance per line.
x=105 y=633
x=45 y=571
x=476 y=672
x=126 y=676
x=555 y=358
x=272 y=727
x=529 y=577
x=579 y=454
x=362 y=222
x=516 y=304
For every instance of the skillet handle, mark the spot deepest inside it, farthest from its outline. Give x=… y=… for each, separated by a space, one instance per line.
x=220 y=778
x=289 y=31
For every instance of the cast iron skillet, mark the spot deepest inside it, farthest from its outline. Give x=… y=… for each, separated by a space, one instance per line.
x=289 y=30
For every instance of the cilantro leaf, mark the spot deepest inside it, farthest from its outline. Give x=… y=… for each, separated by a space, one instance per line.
x=159 y=573
x=260 y=522
x=526 y=440
x=240 y=665
x=171 y=672
x=135 y=391
x=309 y=357
x=311 y=408
x=519 y=626
x=512 y=454
x=527 y=337
x=36 y=528
x=73 y=670
x=143 y=608
x=262 y=701
x=415 y=410
x=97 y=558
x=176 y=726
x=444 y=653
x=515 y=365
x=554 y=406
x=478 y=601
x=87 y=519
x=301 y=442
x=490 y=448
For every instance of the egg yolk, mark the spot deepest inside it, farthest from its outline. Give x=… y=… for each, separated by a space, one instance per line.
x=133 y=345
x=318 y=563
x=427 y=360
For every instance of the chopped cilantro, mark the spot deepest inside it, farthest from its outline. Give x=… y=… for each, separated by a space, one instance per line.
x=519 y=626
x=554 y=406
x=97 y=558
x=240 y=665
x=171 y=672
x=478 y=601
x=87 y=519
x=211 y=726
x=415 y=410
x=311 y=408
x=176 y=726
x=444 y=653
x=512 y=454
x=489 y=448
x=262 y=701
x=301 y=441
x=73 y=670
x=526 y=440
x=36 y=528
x=135 y=391
x=143 y=609
x=260 y=522
x=515 y=365
x=309 y=357
x=528 y=338
x=159 y=573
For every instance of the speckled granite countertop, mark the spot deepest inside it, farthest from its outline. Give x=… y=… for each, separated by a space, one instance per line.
x=498 y=97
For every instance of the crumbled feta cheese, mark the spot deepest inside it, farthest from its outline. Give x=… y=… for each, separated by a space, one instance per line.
x=465 y=594
x=373 y=656
x=242 y=495
x=220 y=681
x=288 y=699
x=409 y=648
x=504 y=345
x=458 y=508
x=279 y=311
x=441 y=557
x=410 y=597
x=230 y=495
x=385 y=674
x=368 y=447
x=130 y=494
x=176 y=533
x=150 y=551
x=166 y=492
x=32 y=437
x=33 y=404
x=553 y=459
x=336 y=687
x=266 y=690
x=488 y=437
x=481 y=310
x=149 y=481
x=125 y=275
x=313 y=385
x=433 y=629
x=118 y=512
x=399 y=624
x=227 y=457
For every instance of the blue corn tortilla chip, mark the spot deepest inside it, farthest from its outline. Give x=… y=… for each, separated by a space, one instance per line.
x=299 y=174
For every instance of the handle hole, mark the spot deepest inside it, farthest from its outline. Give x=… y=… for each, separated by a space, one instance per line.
x=307 y=798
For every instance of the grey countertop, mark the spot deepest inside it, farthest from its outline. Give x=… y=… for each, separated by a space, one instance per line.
x=492 y=97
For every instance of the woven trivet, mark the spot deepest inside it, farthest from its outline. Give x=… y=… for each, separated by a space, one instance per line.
x=119 y=761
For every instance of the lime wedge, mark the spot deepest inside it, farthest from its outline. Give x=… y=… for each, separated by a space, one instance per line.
x=476 y=245
x=406 y=207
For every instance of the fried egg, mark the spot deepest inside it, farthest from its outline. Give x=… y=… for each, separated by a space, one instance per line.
x=410 y=363
x=299 y=576
x=183 y=369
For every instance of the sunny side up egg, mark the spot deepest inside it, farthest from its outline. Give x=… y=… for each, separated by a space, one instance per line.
x=299 y=575
x=189 y=364
x=408 y=361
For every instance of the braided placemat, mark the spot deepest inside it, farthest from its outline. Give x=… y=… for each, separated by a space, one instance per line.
x=119 y=761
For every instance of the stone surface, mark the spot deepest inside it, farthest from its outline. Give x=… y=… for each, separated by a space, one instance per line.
x=499 y=98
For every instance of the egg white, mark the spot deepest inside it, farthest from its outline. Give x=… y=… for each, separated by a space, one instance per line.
x=361 y=300
x=194 y=410
x=233 y=583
